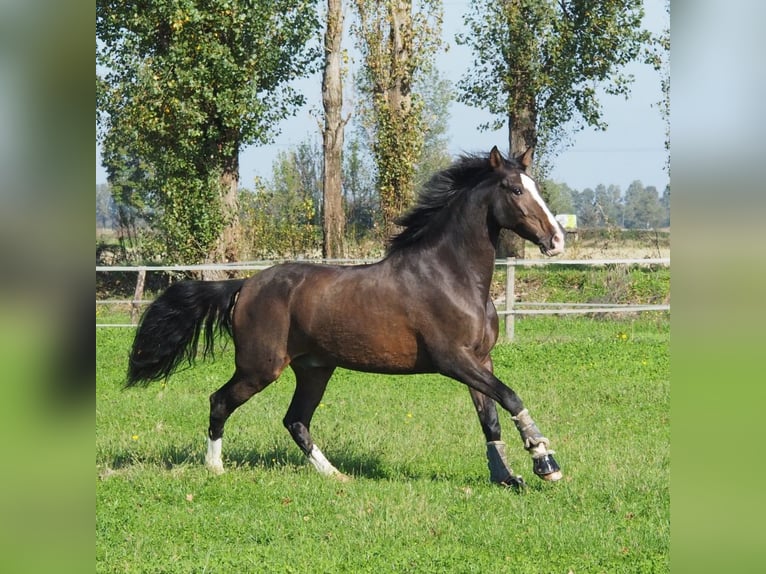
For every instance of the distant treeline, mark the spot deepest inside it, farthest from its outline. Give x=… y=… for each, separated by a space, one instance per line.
x=281 y=217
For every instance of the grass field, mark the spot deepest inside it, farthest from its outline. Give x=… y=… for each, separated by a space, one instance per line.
x=420 y=500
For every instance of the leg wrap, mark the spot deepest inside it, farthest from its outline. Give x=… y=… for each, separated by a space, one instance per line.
x=543 y=463
x=533 y=439
x=499 y=470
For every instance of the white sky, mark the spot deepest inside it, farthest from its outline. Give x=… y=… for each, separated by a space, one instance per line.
x=632 y=148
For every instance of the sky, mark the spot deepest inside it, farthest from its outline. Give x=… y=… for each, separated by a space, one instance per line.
x=631 y=148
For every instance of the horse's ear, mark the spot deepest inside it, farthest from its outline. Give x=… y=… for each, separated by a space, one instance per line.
x=495 y=159
x=525 y=159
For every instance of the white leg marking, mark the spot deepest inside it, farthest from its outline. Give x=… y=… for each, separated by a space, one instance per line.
x=322 y=465
x=213 y=458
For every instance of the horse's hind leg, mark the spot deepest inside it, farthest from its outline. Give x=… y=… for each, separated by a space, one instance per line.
x=500 y=471
x=310 y=385
x=223 y=402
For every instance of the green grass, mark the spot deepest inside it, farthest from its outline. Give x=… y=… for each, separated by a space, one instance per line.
x=588 y=284
x=420 y=500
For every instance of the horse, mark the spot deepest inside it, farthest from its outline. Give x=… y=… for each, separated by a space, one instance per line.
x=425 y=307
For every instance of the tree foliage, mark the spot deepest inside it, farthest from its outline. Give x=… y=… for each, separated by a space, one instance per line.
x=558 y=196
x=359 y=164
x=643 y=209
x=436 y=93
x=639 y=208
x=397 y=40
x=608 y=204
x=538 y=64
x=360 y=199
x=658 y=56
x=183 y=86
x=281 y=217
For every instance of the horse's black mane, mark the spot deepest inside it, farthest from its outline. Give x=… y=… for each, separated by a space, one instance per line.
x=440 y=191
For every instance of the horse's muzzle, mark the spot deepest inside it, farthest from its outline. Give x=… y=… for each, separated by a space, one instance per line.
x=553 y=245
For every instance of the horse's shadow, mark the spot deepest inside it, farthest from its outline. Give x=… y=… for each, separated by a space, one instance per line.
x=359 y=464
x=168 y=458
x=356 y=464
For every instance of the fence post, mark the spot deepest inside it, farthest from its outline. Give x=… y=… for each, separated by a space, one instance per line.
x=510 y=297
x=138 y=295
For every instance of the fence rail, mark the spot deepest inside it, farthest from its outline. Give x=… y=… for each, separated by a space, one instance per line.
x=511 y=308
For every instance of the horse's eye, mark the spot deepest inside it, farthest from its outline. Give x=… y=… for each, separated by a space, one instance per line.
x=516 y=190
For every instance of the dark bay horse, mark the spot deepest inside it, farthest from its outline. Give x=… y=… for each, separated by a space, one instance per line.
x=424 y=308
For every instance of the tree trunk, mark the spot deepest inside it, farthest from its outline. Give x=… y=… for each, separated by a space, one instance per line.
x=226 y=249
x=522 y=132
x=229 y=203
x=400 y=38
x=332 y=134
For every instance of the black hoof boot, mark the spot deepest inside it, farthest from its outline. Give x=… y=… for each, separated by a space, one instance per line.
x=515 y=482
x=546 y=468
x=499 y=470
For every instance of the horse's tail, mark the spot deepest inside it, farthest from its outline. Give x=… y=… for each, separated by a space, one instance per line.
x=170 y=328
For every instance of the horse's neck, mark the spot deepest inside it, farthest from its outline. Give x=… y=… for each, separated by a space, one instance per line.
x=472 y=255
x=465 y=250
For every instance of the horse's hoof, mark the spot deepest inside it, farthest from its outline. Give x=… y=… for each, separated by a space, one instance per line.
x=216 y=469
x=553 y=476
x=547 y=468
x=340 y=477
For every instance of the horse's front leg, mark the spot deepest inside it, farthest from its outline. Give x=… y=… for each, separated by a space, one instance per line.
x=543 y=463
x=480 y=379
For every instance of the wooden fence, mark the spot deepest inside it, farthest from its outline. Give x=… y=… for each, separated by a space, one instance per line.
x=510 y=310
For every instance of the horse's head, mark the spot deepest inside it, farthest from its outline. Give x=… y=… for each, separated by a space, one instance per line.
x=518 y=205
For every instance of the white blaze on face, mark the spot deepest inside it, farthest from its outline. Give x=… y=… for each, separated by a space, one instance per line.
x=531 y=188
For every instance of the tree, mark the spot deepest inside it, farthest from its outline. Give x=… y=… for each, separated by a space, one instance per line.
x=396 y=43
x=538 y=64
x=608 y=204
x=105 y=207
x=585 y=206
x=184 y=86
x=658 y=56
x=280 y=218
x=558 y=196
x=127 y=180
x=359 y=189
x=436 y=93
x=642 y=207
x=665 y=204
x=332 y=134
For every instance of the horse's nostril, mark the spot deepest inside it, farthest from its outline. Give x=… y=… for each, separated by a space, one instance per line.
x=556 y=244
